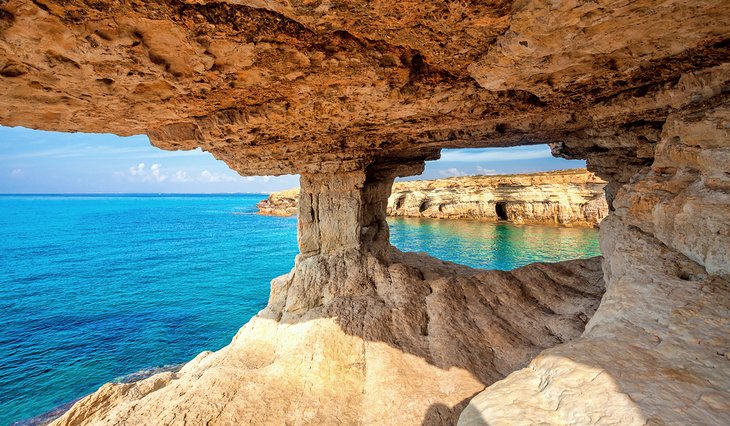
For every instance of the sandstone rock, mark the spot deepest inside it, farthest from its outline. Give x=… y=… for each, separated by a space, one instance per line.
x=352 y=94
x=365 y=341
x=566 y=197
x=654 y=353
x=280 y=203
x=285 y=87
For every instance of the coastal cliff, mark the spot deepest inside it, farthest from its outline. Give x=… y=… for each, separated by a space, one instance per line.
x=566 y=197
x=351 y=96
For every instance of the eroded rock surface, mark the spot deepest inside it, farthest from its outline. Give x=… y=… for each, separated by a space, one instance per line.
x=288 y=87
x=353 y=340
x=280 y=203
x=352 y=94
x=657 y=351
x=566 y=197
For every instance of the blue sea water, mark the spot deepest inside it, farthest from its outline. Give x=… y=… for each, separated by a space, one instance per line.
x=94 y=288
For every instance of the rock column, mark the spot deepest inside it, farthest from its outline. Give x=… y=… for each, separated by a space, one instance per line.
x=346 y=210
x=342 y=211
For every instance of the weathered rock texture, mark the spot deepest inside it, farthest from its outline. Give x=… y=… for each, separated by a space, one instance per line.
x=657 y=351
x=352 y=94
x=566 y=197
x=574 y=197
x=280 y=203
x=347 y=340
x=276 y=87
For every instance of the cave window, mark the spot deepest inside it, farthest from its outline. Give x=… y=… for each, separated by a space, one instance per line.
x=424 y=206
x=501 y=210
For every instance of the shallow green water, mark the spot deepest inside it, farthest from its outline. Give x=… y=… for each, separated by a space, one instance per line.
x=492 y=245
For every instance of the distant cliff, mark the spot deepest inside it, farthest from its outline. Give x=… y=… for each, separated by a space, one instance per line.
x=567 y=197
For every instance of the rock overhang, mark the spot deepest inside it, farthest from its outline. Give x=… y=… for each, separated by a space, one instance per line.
x=351 y=94
x=277 y=88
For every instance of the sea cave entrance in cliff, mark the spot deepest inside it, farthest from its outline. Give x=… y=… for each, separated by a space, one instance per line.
x=501 y=210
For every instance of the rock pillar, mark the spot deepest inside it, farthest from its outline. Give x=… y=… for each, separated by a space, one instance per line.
x=341 y=211
x=346 y=210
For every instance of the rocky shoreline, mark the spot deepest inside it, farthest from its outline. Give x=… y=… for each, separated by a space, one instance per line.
x=572 y=197
x=351 y=97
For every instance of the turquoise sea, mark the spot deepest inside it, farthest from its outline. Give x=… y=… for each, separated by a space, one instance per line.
x=95 y=288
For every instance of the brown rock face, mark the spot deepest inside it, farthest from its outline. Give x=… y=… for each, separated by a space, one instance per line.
x=288 y=87
x=656 y=350
x=280 y=203
x=566 y=197
x=353 y=94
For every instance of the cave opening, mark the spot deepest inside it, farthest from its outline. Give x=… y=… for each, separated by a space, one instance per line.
x=501 y=210
x=473 y=206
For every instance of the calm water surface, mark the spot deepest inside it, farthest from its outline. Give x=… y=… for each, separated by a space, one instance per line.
x=493 y=245
x=93 y=288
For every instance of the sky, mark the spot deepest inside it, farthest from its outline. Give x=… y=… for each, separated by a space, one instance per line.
x=40 y=162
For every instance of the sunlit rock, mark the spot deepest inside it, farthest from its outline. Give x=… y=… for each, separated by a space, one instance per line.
x=566 y=197
x=352 y=94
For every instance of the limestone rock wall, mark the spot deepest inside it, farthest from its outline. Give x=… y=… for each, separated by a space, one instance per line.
x=352 y=94
x=656 y=352
x=567 y=197
x=285 y=87
x=562 y=197
x=280 y=203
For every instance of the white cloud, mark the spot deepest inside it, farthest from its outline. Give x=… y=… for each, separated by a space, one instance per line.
x=17 y=173
x=207 y=176
x=180 y=176
x=453 y=171
x=156 y=174
x=496 y=154
x=139 y=173
x=137 y=170
x=486 y=172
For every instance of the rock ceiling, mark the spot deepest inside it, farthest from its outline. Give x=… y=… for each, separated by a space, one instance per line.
x=275 y=87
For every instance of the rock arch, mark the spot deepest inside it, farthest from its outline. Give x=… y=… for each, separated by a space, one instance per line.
x=350 y=98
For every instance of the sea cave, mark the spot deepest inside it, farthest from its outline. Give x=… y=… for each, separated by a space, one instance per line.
x=351 y=96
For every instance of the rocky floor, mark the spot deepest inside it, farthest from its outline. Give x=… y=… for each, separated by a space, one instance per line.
x=656 y=352
x=348 y=339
